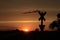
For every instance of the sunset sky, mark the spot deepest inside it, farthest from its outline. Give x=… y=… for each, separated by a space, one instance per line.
x=12 y=17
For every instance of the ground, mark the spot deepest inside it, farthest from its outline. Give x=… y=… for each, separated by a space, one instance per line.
x=33 y=35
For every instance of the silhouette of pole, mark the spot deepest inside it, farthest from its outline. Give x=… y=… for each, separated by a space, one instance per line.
x=42 y=14
x=42 y=19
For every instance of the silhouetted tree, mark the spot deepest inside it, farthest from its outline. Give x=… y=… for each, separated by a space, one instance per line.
x=56 y=23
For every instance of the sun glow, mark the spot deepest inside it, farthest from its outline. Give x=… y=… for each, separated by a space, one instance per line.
x=26 y=30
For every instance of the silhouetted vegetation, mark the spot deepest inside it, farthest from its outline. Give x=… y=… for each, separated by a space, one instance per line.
x=56 y=23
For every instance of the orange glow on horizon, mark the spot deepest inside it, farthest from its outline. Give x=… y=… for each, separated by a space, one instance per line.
x=26 y=30
x=17 y=21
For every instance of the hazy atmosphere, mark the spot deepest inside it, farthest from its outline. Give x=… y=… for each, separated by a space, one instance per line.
x=12 y=17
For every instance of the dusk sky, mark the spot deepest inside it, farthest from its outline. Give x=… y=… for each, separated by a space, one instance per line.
x=11 y=13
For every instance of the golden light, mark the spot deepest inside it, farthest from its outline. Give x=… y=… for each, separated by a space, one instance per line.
x=26 y=30
x=26 y=27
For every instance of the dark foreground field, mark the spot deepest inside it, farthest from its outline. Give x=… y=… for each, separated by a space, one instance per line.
x=34 y=35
